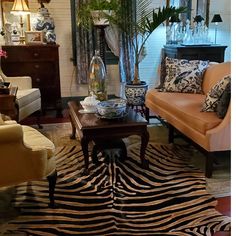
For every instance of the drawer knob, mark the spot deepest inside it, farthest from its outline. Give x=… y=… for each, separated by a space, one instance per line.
x=36 y=54
x=38 y=80
x=36 y=66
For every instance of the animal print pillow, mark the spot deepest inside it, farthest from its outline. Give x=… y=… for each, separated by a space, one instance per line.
x=224 y=101
x=213 y=96
x=184 y=76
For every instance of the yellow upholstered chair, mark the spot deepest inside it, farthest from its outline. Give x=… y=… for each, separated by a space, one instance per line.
x=26 y=155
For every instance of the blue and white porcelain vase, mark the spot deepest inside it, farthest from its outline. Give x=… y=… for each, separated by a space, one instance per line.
x=44 y=22
x=135 y=93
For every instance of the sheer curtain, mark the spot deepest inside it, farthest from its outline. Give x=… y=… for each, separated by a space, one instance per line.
x=85 y=48
x=113 y=39
x=118 y=42
x=126 y=59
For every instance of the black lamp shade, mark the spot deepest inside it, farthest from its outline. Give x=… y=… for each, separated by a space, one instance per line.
x=216 y=18
x=198 y=19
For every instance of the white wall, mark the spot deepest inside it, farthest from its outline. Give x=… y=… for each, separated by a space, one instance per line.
x=224 y=29
x=60 y=11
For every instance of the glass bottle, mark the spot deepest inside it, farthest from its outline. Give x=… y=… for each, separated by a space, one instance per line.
x=97 y=78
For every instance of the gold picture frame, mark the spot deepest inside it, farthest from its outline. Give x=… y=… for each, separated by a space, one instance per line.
x=33 y=37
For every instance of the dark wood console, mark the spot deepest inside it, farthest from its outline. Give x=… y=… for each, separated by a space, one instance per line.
x=195 y=52
x=41 y=63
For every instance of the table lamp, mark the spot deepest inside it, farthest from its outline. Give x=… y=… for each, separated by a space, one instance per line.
x=20 y=8
x=216 y=19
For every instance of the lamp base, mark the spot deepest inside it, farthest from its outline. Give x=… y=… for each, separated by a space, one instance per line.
x=22 y=39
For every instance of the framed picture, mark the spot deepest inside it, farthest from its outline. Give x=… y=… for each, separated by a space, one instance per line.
x=203 y=7
x=195 y=7
x=33 y=37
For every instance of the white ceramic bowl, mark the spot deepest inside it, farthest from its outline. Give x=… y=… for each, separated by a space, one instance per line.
x=89 y=104
x=113 y=108
x=88 y=107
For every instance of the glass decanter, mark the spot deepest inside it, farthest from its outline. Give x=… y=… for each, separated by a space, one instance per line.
x=98 y=78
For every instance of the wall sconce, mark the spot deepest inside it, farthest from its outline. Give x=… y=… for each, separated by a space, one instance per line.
x=216 y=19
x=20 y=8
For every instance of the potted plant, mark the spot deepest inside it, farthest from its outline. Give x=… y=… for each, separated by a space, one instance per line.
x=139 y=28
x=96 y=12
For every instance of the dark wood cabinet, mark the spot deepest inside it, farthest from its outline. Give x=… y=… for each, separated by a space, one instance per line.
x=196 y=52
x=41 y=62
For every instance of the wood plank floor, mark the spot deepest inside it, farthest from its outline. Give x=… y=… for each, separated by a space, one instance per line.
x=224 y=204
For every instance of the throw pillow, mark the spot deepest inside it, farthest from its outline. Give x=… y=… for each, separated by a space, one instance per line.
x=213 y=96
x=224 y=101
x=184 y=76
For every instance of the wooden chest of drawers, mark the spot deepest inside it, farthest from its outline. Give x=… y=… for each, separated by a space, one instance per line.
x=41 y=62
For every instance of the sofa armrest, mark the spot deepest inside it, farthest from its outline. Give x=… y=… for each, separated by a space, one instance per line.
x=220 y=136
x=22 y=82
x=11 y=133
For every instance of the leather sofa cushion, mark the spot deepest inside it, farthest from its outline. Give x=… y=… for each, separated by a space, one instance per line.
x=37 y=141
x=186 y=108
x=215 y=73
x=26 y=96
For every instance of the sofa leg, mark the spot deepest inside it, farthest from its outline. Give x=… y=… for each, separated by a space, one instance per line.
x=147 y=114
x=52 y=179
x=171 y=134
x=209 y=164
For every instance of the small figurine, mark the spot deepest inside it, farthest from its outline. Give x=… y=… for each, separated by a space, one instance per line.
x=8 y=33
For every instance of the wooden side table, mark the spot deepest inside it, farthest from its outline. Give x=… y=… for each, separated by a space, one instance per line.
x=8 y=105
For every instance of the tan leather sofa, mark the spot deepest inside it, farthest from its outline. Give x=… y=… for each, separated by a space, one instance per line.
x=183 y=112
x=26 y=155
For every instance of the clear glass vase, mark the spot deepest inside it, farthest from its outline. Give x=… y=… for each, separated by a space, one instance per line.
x=98 y=78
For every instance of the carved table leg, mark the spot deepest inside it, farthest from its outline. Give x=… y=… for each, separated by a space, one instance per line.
x=144 y=143
x=72 y=136
x=84 y=144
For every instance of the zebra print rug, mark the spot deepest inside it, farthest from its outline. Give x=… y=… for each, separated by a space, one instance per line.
x=120 y=197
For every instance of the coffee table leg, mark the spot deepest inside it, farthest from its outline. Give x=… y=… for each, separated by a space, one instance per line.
x=84 y=144
x=72 y=136
x=144 y=143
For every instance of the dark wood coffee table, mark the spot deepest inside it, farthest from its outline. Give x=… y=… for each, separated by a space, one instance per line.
x=92 y=128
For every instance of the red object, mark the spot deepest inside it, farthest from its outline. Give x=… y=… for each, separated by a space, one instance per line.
x=3 y=53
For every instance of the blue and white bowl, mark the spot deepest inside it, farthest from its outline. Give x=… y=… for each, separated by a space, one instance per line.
x=113 y=108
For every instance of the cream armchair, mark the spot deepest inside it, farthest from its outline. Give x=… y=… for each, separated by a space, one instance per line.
x=28 y=99
x=26 y=155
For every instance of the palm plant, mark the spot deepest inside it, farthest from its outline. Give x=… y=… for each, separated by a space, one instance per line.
x=139 y=26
